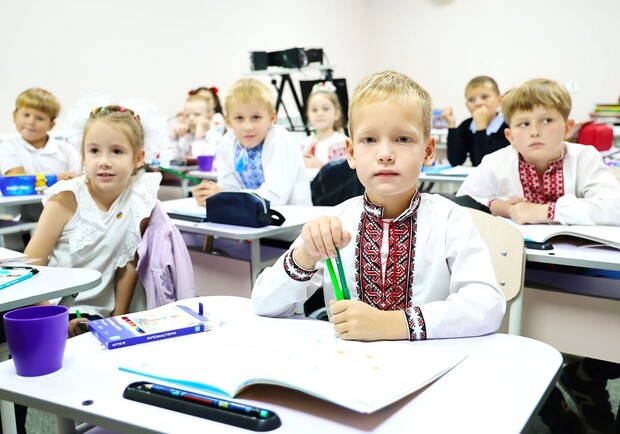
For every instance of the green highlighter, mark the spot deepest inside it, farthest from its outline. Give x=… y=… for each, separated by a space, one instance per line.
x=341 y=294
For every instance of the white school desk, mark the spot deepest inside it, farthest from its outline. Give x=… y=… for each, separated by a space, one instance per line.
x=583 y=322
x=496 y=389
x=296 y=217
x=49 y=283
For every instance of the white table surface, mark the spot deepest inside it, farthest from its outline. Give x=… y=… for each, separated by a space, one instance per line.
x=20 y=199
x=212 y=175
x=49 y=283
x=497 y=388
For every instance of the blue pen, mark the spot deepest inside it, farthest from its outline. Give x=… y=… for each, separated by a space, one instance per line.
x=210 y=401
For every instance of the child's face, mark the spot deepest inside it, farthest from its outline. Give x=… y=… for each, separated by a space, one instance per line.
x=195 y=111
x=322 y=113
x=388 y=150
x=33 y=125
x=483 y=96
x=538 y=134
x=250 y=122
x=109 y=158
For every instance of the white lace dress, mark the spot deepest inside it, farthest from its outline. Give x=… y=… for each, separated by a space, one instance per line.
x=102 y=240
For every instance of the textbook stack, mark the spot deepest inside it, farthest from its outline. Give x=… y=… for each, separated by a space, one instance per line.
x=606 y=113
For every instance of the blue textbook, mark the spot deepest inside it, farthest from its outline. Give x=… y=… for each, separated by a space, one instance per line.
x=163 y=322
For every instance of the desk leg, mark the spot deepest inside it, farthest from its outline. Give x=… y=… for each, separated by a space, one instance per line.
x=255 y=262
x=184 y=187
x=64 y=425
x=7 y=410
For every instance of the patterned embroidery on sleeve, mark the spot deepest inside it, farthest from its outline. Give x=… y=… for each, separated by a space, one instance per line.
x=415 y=321
x=294 y=271
x=551 y=213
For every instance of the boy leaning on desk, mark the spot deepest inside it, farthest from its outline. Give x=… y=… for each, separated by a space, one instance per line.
x=415 y=263
x=543 y=179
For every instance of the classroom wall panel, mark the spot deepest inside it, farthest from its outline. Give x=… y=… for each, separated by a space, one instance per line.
x=444 y=43
x=160 y=49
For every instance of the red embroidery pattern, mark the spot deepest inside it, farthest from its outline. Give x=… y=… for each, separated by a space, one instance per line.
x=415 y=321
x=393 y=292
x=294 y=271
x=336 y=153
x=552 y=187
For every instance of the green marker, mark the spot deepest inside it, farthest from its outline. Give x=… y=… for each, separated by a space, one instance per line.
x=180 y=174
x=332 y=274
x=82 y=325
x=343 y=280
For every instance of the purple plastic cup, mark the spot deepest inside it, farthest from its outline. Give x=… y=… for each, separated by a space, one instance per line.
x=37 y=336
x=205 y=162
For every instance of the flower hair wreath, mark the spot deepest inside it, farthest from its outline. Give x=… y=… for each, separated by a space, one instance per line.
x=324 y=86
x=153 y=124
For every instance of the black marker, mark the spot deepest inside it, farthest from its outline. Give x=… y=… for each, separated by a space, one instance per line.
x=208 y=407
x=209 y=400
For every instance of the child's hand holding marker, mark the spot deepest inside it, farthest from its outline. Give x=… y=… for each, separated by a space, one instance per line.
x=321 y=237
x=78 y=325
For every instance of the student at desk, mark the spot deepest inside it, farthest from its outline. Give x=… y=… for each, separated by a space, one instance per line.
x=481 y=134
x=257 y=155
x=417 y=267
x=542 y=179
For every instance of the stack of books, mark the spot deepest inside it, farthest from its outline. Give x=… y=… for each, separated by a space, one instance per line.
x=606 y=113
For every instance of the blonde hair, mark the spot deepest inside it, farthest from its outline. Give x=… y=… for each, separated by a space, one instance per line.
x=38 y=99
x=534 y=93
x=333 y=98
x=123 y=119
x=392 y=87
x=249 y=90
x=482 y=80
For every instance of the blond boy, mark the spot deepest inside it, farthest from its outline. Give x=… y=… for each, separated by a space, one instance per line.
x=415 y=264
x=33 y=150
x=255 y=154
x=541 y=178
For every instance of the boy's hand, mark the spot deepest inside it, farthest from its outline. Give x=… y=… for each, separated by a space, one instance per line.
x=180 y=130
x=481 y=118
x=448 y=115
x=202 y=126
x=527 y=212
x=321 y=237
x=77 y=326
x=356 y=320
x=310 y=161
x=502 y=207
x=205 y=190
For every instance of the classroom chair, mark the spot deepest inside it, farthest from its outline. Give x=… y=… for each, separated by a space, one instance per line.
x=507 y=248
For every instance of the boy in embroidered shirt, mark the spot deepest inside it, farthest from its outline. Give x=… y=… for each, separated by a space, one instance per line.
x=481 y=134
x=415 y=263
x=257 y=155
x=541 y=178
x=33 y=150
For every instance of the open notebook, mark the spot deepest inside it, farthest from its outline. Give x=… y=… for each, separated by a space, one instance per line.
x=300 y=354
x=607 y=235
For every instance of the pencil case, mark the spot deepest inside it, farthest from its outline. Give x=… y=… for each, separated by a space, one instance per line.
x=242 y=208
x=17 y=185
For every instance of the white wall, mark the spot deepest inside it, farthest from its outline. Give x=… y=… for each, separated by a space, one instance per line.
x=159 y=49
x=444 y=43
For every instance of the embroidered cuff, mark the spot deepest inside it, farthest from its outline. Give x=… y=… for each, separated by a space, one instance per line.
x=294 y=271
x=416 y=324
x=551 y=213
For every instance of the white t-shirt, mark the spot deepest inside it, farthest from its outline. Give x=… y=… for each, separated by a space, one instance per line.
x=329 y=149
x=102 y=240
x=57 y=156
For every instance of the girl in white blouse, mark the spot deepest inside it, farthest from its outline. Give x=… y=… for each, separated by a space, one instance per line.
x=95 y=220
